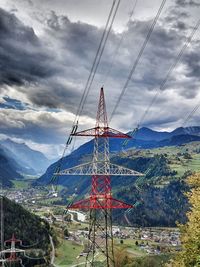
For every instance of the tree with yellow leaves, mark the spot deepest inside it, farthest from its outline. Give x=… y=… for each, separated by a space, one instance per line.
x=190 y=232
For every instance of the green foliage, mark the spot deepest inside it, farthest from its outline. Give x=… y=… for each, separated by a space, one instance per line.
x=186 y=155
x=186 y=174
x=58 y=211
x=66 y=232
x=158 y=206
x=154 y=168
x=26 y=226
x=150 y=261
x=158 y=166
x=67 y=253
x=190 y=232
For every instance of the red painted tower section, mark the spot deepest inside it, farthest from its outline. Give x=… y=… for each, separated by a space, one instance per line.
x=13 y=251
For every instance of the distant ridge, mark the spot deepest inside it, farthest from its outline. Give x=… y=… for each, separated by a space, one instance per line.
x=145 y=138
x=8 y=169
x=33 y=161
x=147 y=134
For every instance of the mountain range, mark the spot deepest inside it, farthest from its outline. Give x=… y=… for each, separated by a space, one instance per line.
x=17 y=160
x=145 y=138
x=34 y=161
x=166 y=159
x=8 y=168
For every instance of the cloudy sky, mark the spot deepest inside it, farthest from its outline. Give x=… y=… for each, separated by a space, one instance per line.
x=46 y=52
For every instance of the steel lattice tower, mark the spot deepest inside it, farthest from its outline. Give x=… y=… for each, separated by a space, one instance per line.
x=100 y=203
x=12 y=251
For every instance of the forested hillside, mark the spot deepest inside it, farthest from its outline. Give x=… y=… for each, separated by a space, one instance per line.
x=159 y=194
x=26 y=226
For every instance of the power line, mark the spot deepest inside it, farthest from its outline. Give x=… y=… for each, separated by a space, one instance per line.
x=120 y=43
x=101 y=52
x=161 y=87
x=173 y=66
x=191 y=114
x=106 y=32
x=97 y=57
x=138 y=58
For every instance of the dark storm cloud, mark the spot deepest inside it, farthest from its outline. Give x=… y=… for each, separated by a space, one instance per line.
x=24 y=59
x=178 y=16
x=192 y=61
x=79 y=40
x=56 y=78
x=22 y=56
x=161 y=121
x=61 y=97
x=186 y=3
x=176 y=13
x=41 y=127
x=159 y=55
x=56 y=22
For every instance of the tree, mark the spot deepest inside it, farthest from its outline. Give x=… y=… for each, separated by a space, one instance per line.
x=187 y=156
x=66 y=232
x=190 y=232
x=121 y=257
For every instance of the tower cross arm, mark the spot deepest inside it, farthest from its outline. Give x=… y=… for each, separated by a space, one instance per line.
x=111 y=169
x=102 y=132
x=82 y=169
x=120 y=170
x=9 y=250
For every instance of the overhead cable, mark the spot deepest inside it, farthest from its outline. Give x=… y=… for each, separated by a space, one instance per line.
x=173 y=66
x=103 y=40
x=98 y=61
x=138 y=58
x=119 y=44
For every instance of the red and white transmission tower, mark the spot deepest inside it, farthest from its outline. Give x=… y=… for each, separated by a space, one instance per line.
x=100 y=203
x=12 y=251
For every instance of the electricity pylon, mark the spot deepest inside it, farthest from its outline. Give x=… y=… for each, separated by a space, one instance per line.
x=12 y=251
x=100 y=203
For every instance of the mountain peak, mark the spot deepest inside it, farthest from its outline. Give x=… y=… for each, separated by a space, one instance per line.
x=148 y=134
x=26 y=156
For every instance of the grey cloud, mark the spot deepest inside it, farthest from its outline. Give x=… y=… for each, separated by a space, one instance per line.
x=41 y=127
x=79 y=40
x=62 y=96
x=22 y=56
x=77 y=43
x=56 y=22
x=176 y=13
x=192 y=61
x=185 y=3
x=74 y=45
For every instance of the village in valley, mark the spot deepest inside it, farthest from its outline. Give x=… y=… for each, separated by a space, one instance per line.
x=136 y=241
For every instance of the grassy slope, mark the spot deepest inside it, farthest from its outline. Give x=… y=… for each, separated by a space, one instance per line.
x=67 y=252
x=173 y=153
